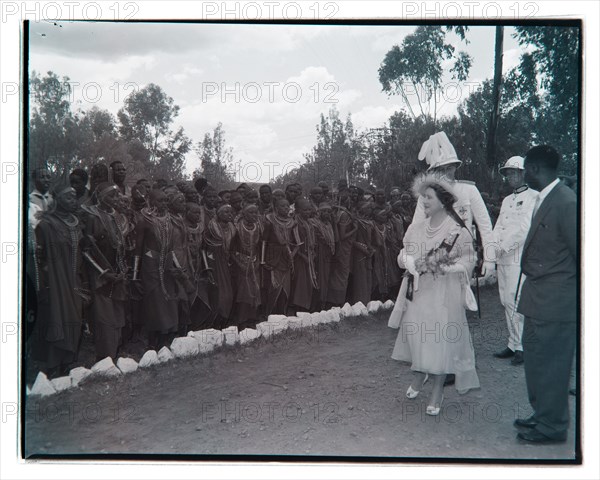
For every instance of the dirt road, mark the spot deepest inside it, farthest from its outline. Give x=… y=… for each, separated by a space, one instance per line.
x=327 y=391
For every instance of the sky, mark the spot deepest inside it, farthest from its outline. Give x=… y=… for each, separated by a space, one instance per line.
x=267 y=84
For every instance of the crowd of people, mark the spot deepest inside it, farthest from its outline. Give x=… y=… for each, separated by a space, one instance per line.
x=149 y=261
x=152 y=260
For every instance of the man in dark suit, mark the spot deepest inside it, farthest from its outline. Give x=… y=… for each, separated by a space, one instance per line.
x=549 y=299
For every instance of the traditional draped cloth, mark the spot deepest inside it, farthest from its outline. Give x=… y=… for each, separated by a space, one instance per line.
x=61 y=291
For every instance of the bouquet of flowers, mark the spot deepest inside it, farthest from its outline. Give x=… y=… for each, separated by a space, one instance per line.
x=438 y=258
x=434 y=262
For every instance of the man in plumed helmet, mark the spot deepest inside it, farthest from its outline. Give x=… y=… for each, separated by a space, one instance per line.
x=441 y=157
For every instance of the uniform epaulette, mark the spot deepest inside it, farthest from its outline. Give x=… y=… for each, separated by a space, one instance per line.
x=468 y=182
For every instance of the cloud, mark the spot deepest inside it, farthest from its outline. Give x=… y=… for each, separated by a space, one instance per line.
x=188 y=71
x=374 y=116
x=114 y=40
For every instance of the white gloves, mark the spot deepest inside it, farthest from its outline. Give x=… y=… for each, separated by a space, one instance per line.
x=489 y=273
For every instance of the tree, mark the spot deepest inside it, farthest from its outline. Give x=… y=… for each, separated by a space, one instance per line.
x=147 y=116
x=416 y=68
x=555 y=56
x=338 y=153
x=216 y=159
x=51 y=121
x=393 y=153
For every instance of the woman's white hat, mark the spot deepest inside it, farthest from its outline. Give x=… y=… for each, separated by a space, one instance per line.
x=438 y=151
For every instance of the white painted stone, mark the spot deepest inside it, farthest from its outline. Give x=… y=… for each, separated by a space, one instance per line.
x=127 y=365
x=265 y=329
x=279 y=326
x=107 y=368
x=165 y=355
x=295 y=323
x=42 y=386
x=150 y=358
x=62 y=383
x=231 y=335
x=211 y=336
x=373 y=306
x=335 y=314
x=183 y=347
x=360 y=309
x=280 y=323
x=306 y=319
x=347 y=310
x=79 y=374
x=247 y=335
x=388 y=305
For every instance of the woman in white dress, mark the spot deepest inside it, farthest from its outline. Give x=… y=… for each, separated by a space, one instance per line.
x=430 y=310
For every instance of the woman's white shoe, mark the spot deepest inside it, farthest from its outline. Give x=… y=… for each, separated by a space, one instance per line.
x=433 y=410
x=412 y=393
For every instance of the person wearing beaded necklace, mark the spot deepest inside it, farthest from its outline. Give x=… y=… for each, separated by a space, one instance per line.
x=434 y=334
x=381 y=266
x=199 y=302
x=393 y=239
x=245 y=250
x=154 y=268
x=265 y=204
x=344 y=234
x=324 y=251
x=217 y=238
x=278 y=260
x=304 y=280
x=106 y=250
x=61 y=291
x=210 y=200
x=181 y=259
x=361 y=279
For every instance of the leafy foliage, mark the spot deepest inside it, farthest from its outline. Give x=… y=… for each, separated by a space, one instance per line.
x=416 y=67
x=141 y=138
x=216 y=160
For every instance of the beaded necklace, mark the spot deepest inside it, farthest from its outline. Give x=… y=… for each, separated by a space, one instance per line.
x=430 y=231
x=162 y=227
x=281 y=227
x=326 y=232
x=248 y=238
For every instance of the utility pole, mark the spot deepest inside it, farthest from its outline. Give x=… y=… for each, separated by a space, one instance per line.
x=493 y=125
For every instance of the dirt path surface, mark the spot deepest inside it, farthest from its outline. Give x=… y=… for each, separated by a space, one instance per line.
x=333 y=390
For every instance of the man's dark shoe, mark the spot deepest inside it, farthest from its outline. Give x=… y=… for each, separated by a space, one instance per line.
x=517 y=359
x=573 y=391
x=450 y=379
x=535 y=436
x=528 y=422
x=506 y=353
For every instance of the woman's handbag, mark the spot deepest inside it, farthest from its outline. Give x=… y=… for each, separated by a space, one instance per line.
x=469 y=300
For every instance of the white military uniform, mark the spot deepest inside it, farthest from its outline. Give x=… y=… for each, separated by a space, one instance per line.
x=471 y=208
x=509 y=234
